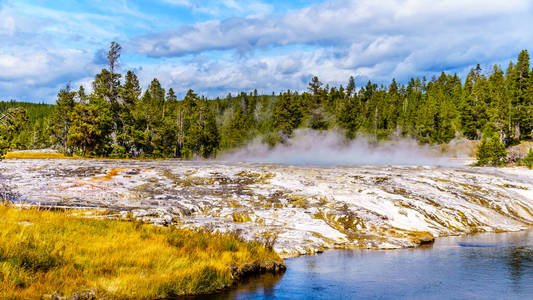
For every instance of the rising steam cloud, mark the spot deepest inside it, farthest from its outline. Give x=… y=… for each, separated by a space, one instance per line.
x=309 y=147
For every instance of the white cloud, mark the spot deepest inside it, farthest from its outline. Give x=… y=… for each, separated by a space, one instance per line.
x=370 y=39
x=377 y=40
x=44 y=49
x=340 y=23
x=29 y=74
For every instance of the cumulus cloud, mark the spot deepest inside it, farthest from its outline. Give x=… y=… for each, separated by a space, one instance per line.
x=266 y=74
x=369 y=39
x=252 y=44
x=41 y=72
x=343 y=23
x=45 y=49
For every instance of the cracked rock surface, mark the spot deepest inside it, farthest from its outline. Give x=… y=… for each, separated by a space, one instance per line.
x=308 y=208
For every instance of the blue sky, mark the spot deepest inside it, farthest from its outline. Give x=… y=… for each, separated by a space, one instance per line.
x=216 y=47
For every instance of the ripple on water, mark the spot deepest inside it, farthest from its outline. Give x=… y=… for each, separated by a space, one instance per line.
x=485 y=245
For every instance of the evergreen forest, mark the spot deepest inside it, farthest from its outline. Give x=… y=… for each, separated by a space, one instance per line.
x=118 y=119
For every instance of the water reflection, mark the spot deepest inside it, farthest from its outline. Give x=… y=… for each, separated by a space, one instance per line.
x=520 y=261
x=257 y=285
x=485 y=266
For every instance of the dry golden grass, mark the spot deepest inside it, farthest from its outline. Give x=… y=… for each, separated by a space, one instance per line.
x=57 y=155
x=56 y=253
x=37 y=155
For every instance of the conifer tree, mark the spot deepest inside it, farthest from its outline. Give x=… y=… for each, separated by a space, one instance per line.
x=287 y=114
x=350 y=88
x=90 y=129
x=519 y=83
x=500 y=104
x=61 y=118
x=11 y=122
x=491 y=152
x=125 y=121
x=349 y=116
x=210 y=136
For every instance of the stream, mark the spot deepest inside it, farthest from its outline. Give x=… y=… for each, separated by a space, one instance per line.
x=481 y=266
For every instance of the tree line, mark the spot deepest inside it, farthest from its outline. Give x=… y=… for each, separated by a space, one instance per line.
x=11 y=121
x=119 y=119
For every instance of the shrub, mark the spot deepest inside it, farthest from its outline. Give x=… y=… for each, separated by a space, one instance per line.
x=118 y=151
x=491 y=152
x=528 y=160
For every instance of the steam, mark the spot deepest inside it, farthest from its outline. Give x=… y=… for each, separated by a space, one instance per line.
x=309 y=147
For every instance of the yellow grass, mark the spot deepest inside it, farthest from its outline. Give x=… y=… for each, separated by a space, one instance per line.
x=37 y=155
x=56 y=253
x=57 y=155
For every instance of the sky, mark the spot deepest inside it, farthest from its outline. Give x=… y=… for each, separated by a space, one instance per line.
x=218 y=47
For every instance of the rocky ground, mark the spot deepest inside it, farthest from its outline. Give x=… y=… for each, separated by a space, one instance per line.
x=300 y=209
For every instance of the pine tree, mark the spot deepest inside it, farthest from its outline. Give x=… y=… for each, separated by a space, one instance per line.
x=112 y=57
x=491 y=152
x=61 y=120
x=500 y=105
x=129 y=94
x=210 y=138
x=131 y=90
x=314 y=86
x=235 y=132
x=90 y=129
x=287 y=114
x=476 y=95
x=11 y=122
x=317 y=92
x=349 y=117
x=518 y=81
x=350 y=88
x=81 y=95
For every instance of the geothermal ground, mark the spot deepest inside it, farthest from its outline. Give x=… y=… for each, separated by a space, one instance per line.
x=308 y=208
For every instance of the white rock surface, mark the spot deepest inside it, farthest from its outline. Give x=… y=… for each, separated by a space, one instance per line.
x=309 y=208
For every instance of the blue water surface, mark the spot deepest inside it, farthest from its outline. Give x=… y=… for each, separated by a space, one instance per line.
x=483 y=266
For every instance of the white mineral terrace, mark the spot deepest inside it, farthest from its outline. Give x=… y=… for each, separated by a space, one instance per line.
x=309 y=208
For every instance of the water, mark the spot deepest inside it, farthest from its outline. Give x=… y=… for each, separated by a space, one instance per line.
x=484 y=266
